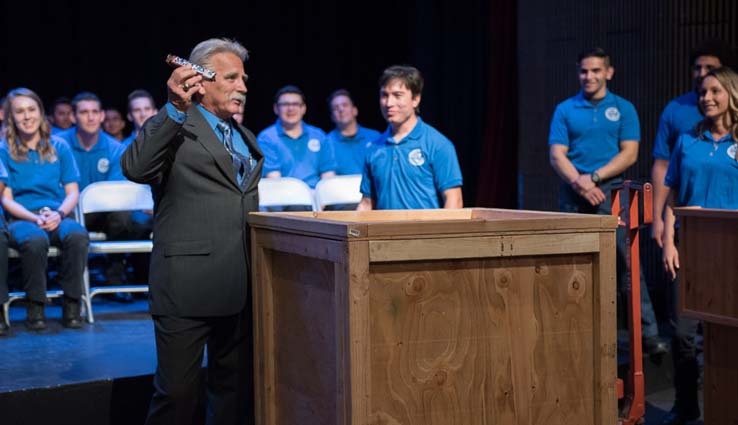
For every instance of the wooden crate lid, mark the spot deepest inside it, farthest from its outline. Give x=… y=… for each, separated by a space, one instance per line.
x=419 y=223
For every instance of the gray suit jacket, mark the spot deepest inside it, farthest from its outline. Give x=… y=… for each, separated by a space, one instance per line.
x=201 y=258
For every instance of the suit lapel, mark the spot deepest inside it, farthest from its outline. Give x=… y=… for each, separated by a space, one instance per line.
x=197 y=125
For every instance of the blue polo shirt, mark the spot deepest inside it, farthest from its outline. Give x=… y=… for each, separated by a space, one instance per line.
x=681 y=115
x=593 y=132
x=703 y=171
x=38 y=184
x=351 y=151
x=101 y=162
x=305 y=158
x=411 y=173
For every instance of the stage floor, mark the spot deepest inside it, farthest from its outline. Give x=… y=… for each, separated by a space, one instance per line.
x=119 y=344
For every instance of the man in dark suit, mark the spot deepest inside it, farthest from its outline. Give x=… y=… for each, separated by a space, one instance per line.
x=203 y=169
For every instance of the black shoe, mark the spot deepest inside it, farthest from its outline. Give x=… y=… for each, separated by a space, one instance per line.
x=674 y=418
x=4 y=328
x=35 y=316
x=70 y=313
x=653 y=346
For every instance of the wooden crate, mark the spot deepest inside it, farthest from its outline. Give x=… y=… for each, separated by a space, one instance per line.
x=472 y=316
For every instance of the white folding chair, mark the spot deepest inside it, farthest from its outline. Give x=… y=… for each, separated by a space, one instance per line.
x=338 y=190
x=285 y=191
x=112 y=196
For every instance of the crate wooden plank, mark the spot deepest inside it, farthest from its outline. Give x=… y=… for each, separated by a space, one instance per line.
x=480 y=247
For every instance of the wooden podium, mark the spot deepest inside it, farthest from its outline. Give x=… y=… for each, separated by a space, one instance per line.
x=452 y=317
x=708 y=279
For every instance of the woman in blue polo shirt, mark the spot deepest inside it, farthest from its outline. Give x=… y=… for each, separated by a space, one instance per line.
x=703 y=172
x=42 y=190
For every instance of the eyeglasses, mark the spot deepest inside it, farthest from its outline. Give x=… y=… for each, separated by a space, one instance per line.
x=290 y=104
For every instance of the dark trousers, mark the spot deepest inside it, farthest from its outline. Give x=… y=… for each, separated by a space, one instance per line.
x=120 y=226
x=32 y=243
x=3 y=261
x=570 y=201
x=684 y=354
x=180 y=342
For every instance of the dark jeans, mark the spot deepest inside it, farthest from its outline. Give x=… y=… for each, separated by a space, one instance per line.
x=570 y=201
x=32 y=243
x=684 y=354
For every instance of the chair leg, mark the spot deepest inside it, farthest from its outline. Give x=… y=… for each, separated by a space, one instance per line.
x=6 y=311
x=86 y=296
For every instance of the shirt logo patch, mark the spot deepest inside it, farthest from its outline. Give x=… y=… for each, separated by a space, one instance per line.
x=612 y=114
x=368 y=144
x=314 y=145
x=731 y=150
x=103 y=165
x=416 y=157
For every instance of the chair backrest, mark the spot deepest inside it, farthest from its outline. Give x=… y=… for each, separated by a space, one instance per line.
x=283 y=191
x=338 y=190
x=109 y=196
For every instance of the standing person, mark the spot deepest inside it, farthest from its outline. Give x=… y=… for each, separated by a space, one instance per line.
x=703 y=172
x=681 y=115
x=203 y=169
x=413 y=166
x=293 y=148
x=141 y=106
x=42 y=191
x=593 y=139
x=350 y=140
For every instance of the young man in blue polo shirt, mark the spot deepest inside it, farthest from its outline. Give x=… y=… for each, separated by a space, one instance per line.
x=414 y=166
x=293 y=148
x=141 y=107
x=350 y=140
x=593 y=139
x=97 y=155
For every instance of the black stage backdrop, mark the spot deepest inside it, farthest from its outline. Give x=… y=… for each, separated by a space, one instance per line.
x=466 y=51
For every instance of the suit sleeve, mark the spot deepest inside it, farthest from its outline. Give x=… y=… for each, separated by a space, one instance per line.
x=149 y=157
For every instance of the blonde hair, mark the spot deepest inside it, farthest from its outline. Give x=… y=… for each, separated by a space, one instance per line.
x=18 y=149
x=729 y=80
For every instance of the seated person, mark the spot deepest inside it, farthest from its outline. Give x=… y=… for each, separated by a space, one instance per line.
x=4 y=329
x=97 y=156
x=293 y=148
x=42 y=190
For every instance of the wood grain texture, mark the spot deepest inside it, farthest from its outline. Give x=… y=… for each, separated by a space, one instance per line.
x=498 y=341
x=305 y=368
x=480 y=247
x=429 y=223
x=709 y=272
x=604 y=324
x=721 y=374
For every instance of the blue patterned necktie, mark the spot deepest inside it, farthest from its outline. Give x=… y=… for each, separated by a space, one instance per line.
x=241 y=163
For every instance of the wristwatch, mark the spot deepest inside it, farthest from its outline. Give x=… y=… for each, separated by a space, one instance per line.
x=595 y=178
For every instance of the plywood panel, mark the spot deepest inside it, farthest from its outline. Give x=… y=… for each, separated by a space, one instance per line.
x=305 y=340
x=709 y=277
x=721 y=374
x=479 y=247
x=496 y=341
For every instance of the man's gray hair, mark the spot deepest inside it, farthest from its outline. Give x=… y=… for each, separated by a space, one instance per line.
x=202 y=53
